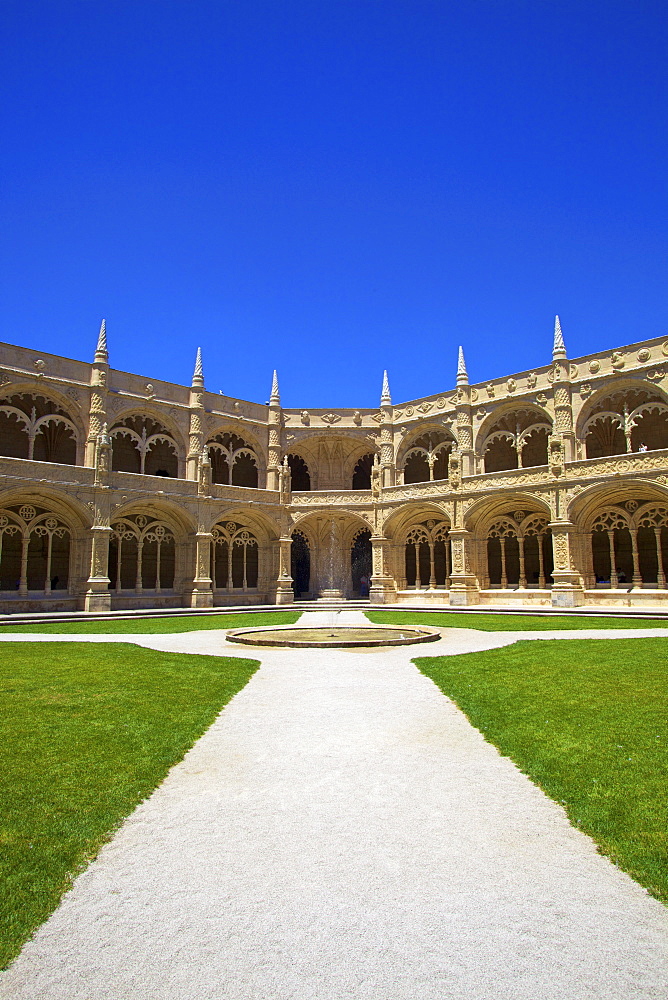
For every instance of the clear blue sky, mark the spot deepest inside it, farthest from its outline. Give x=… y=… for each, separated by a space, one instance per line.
x=332 y=187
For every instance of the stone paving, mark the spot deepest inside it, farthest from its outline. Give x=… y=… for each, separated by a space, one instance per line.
x=343 y=833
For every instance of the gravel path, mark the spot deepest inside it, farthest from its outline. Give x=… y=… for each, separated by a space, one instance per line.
x=342 y=833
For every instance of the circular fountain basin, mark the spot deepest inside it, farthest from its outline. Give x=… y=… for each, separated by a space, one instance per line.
x=336 y=636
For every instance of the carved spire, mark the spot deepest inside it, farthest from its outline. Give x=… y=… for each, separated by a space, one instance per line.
x=198 y=374
x=559 y=349
x=275 y=397
x=101 y=352
x=385 y=397
x=462 y=374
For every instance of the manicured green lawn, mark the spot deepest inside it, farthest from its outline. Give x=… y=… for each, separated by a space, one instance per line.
x=158 y=626
x=506 y=623
x=88 y=731
x=587 y=721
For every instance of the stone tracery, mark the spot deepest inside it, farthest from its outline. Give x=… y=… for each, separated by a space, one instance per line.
x=34 y=550
x=32 y=426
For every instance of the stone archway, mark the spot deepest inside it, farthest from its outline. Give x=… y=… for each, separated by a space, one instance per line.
x=360 y=563
x=300 y=564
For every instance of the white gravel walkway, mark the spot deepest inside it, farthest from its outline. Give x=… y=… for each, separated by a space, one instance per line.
x=342 y=833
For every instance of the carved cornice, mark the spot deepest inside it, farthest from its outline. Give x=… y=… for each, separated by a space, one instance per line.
x=345 y=498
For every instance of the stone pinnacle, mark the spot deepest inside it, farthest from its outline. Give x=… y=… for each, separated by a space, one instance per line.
x=559 y=348
x=275 y=396
x=385 y=397
x=101 y=352
x=198 y=374
x=462 y=374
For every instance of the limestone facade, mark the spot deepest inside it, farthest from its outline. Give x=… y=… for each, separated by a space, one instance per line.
x=545 y=487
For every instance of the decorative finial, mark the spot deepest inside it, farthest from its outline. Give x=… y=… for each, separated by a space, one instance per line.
x=275 y=396
x=462 y=374
x=198 y=374
x=559 y=349
x=101 y=352
x=385 y=394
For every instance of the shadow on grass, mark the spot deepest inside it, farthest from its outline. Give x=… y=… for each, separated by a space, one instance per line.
x=507 y=623
x=156 y=626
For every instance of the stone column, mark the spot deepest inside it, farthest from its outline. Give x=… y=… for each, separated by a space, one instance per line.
x=383 y=590
x=464 y=416
x=504 y=575
x=202 y=593
x=559 y=375
x=98 y=595
x=660 y=573
x=465 y=430
x=567 y=590
x=284 y=591
x=614 y=579
x=387 y=464
x=97 y=414
x=196 y=429
x=637 y=578
x=541 y=562
x=523 y=579
x=464 y=588
x=432 y=567
x=274 y=437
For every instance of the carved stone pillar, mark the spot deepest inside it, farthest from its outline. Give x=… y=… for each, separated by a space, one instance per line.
x=383 y=590
x=284 y=591
x=637 y=578
x=568 y=589
x=99 y=376
x=465 y=430
x=98 y=595
x=464 y=587
x=559 y=375
x=660 y=573
x=523 y=579
x=202 y=593
x=387 y=464
x=195 y=434
x=274 y=436
x=196 y=429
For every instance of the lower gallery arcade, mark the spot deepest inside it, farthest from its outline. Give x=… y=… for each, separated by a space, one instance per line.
x=50 y=551
x=545 y=488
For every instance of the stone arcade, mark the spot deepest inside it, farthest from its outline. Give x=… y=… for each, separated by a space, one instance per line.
x=547 y=487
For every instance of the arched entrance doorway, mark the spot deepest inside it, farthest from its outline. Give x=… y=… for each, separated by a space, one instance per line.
x=300 y=564
x=360 y=563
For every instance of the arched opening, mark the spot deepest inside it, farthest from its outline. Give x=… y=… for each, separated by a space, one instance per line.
x=362 y=473
x=632 y=419
x=360 y=563
x=235 y=558
x=244 y=470
x=516 y=440
x=300 y=564
x=629 y=545
x=34 y=427
x=519 y=552
x=34 y=550
x=142 y=445
x=14 y=436
x=416 y=469
x=233 y=461
x=500 y=453
x=427 y=458
x=301 y=478
x=534 y=447
x=427 y=556
x=142 y=555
